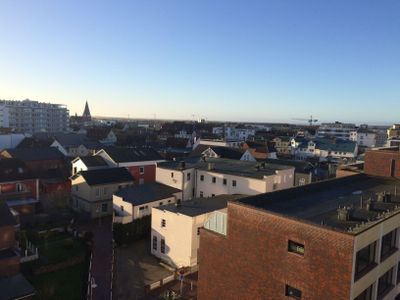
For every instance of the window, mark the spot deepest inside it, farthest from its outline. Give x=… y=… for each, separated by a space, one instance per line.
x=198 y=230
x=161 y=203
x=162 y=246
x=292 y=292
x=20 y=187
x=141 y=208
x=295 y=247
x=233 y=182
x=104 y=207
x=76 y=187
x=201 y=177
x=388 y=244
x=141 y=170
x=154 y=243
x=302 y=181
x=97 y=192
x=366 y=295
x=385 y=283
x=212 y=195
x=224 y=181
x=105 y=191
x=172 y=174
x=163 y=223
x=214 y=180
x=201 y=194
x=365 y=260
x=122 y=208
x=75 y=170
x=188 y=176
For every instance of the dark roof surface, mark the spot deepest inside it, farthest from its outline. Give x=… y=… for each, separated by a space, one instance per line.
x=327 y=144
x=319 y=202
x=145 y=193
x=6 y=217
x=13 y=169
x=15 y=287
x=226 y=166
x=200 y=206
x=300 y=166
x=222 y=152
x=94 y=161
x=35 y=154
x=132 y=154
x=106 y=176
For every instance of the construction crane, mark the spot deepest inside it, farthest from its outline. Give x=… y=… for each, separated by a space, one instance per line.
x=310 y=121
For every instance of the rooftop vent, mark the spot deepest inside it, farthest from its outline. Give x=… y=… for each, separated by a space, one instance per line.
x=344 y=213
x=178 y=203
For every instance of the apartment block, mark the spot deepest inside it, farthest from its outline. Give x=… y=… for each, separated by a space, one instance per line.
x=29 y=116
x=337 y=239
x=337 y=129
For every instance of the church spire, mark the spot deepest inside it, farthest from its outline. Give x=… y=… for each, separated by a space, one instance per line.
x=86 y=113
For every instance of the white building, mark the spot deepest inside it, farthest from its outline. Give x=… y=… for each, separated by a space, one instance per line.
x=364 y=137
x=32 y=116
x=219 y=142
x=175 y=228
x=137 y=201
x=207 y=177
x=86 y=163
x=338 y=130
x=238 y=132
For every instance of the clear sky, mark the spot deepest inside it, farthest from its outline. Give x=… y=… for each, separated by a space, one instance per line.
x=221 y=60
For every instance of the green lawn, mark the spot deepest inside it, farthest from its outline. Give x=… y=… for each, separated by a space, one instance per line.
x=63 y=284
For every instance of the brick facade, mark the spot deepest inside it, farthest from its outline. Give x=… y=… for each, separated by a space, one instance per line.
x=382 y=163
x=253 y=262
x=148 y=176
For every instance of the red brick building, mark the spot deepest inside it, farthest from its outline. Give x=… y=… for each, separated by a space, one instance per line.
x=18 y=186
x=383 y=162
x=320 y=241
x=141 y=162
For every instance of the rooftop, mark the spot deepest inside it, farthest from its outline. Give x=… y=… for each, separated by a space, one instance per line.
x=93 y=161
x=226 y=166
x=350 y=204
x=200 y=206
x=105 y=176
x=35 y=154
x=145 y=193
x=221 y=151
x=15 y=287
x=132 y=154
x=6 y=217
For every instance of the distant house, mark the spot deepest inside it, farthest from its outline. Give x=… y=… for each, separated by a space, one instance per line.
x=260 y=150
x=324 y=149
x=19 y=188
x=140 y=161
x=217 y=152
x=92 y=190
x=303 y=172
x=37 y=159
x=85 y=163
x=137 y=201
x=104 y=135
x=73 y=145
x=175 y=228
x=283 y=145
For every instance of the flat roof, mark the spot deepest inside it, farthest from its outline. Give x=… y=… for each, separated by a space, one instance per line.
x=227 y=166
x=199 y=206
x=359 y=196
x=146 y=193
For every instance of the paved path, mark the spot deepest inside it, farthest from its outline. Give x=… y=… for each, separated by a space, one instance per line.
x=102 y=254
x=136 y=267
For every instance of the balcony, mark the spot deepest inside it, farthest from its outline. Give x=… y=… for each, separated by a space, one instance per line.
x=15 y=195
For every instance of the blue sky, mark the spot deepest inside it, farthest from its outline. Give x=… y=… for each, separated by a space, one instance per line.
x=221 y=60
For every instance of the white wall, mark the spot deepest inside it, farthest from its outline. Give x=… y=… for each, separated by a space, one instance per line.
x=179 y=180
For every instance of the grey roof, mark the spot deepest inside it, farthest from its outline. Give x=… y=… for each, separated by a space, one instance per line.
x=13 y=169
x=72 y=140
x=105 y=176
x=327 y=144
x=200 y=206
x=318 y=202
x=35 y=154
x=132 y=154
x=93 y=161
x=145 y=193
x=222 y=152
x=300 y=166
x=15 y=287
x=6 y=217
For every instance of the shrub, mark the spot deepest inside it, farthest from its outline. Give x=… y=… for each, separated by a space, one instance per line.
x=68 y=243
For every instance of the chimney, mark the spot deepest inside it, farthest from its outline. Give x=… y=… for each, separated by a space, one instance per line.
x=210 y=166
x=178 y=203
x=182 y=164
x=343 y=213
